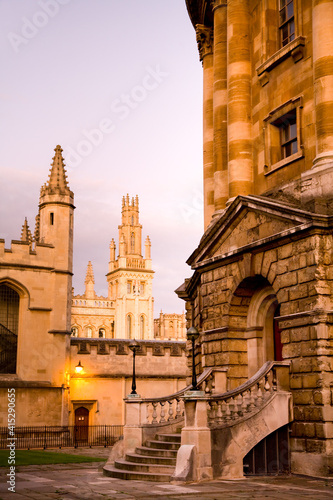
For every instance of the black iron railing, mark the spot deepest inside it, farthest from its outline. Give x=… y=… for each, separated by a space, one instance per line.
x=61 y=436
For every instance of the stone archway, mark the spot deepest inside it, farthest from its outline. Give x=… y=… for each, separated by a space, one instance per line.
x=252 y=311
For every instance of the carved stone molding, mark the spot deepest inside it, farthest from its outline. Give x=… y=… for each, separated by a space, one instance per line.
x=204 y=37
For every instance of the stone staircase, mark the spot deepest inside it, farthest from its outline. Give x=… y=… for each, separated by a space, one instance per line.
x=156 y=461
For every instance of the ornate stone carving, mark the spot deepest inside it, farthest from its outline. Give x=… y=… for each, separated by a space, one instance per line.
x=204 y=37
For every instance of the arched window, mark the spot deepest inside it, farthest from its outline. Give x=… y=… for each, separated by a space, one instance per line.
x=9 y=317
x=74 y=331
x=142 y=326
x=132 y=242
x=89 y=332
x=129 y=326
x=101 y=333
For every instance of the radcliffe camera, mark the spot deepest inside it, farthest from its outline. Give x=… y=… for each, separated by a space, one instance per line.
x=166 y=274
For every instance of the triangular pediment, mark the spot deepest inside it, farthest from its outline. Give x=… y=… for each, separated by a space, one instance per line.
x=248 y=222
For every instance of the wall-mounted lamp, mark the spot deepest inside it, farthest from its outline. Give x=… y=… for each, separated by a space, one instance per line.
x=78 y=368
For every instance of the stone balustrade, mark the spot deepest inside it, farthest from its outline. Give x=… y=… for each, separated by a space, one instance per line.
x=249 y=397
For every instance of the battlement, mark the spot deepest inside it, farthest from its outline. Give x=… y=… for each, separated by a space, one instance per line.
x=112 y=357
x=24 y=253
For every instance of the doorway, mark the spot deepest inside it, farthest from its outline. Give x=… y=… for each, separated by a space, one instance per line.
x=81 y=424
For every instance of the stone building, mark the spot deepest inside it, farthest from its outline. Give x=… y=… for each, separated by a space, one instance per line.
x=262 y=284
x=38 y=356
x=127 y=311
x=170 y=327
x=35 y=287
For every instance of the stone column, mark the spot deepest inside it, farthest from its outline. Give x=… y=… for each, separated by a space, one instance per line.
x=240 y=156
x=205 y=45
x=322 y=36
x=220 y=107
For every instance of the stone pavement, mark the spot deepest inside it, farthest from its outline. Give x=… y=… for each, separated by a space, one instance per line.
x=86 y=481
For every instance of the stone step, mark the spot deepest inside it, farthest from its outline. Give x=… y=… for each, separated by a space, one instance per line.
x=176 y=438
x=150 y=459
x=139 y=467
x=167 y=445
x=132 y=475
x=157 y=452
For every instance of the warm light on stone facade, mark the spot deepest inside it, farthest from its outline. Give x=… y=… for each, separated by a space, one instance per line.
x=261 y=287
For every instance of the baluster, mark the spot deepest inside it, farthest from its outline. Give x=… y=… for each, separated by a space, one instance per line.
x=162 y=414
x=227 y=411
x=232 y=407
x=178 y=411
x=239 y=401
x=211 y=412
x=259 y=395
x=267 y=386
x=245 y=402
x=219 y=414
x=224 y=410
x=170 y=412
x=154 y=421
x=148 y=413
x=274 y=382
x=252 y=400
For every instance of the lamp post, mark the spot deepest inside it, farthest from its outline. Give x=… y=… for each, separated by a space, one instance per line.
x=134 y=346
x=193 y=334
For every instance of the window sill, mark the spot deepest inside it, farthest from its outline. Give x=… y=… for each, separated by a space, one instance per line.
x=293 y=49
x=284 y=162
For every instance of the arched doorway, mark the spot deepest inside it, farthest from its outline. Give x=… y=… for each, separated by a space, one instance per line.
x=81 y=424
x=9 y=320
x=253 y=311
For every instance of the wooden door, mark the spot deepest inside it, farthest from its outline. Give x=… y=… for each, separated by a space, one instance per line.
x=81 y=424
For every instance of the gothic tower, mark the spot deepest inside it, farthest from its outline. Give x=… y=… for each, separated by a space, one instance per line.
x=130 y=277
x=55 y=227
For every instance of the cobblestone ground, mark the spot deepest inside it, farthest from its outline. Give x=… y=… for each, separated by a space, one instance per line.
x=86 y=481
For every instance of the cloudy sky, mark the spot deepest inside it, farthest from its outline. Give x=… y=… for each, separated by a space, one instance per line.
x=118 y=84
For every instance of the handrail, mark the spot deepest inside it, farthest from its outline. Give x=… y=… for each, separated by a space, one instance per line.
x=263 y=371
x=204 y=375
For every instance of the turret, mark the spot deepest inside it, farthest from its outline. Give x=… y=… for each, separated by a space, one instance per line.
x=55 y=218
x=130 y=229
x=89 y=282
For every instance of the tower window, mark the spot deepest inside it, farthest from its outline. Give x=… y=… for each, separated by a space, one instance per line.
x=101 y=333
x=51 y=218
x=132 y=243
x=142 y=327
x=287 y=22
x=129 y=287
x=129 y=326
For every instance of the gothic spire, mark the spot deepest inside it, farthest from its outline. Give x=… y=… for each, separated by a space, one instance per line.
x=90 y=274
x=57 y=181
x=26 y=235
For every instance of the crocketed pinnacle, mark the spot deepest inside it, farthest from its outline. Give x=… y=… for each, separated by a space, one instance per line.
x=26 y=235
x=57 y=182
x=90 y=274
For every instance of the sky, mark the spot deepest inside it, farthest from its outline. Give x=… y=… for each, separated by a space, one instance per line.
x=118 y=84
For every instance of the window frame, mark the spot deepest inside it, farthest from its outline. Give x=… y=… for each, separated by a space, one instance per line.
x=274 y=159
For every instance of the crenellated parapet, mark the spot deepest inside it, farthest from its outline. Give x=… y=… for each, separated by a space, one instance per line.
x=112 y=357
